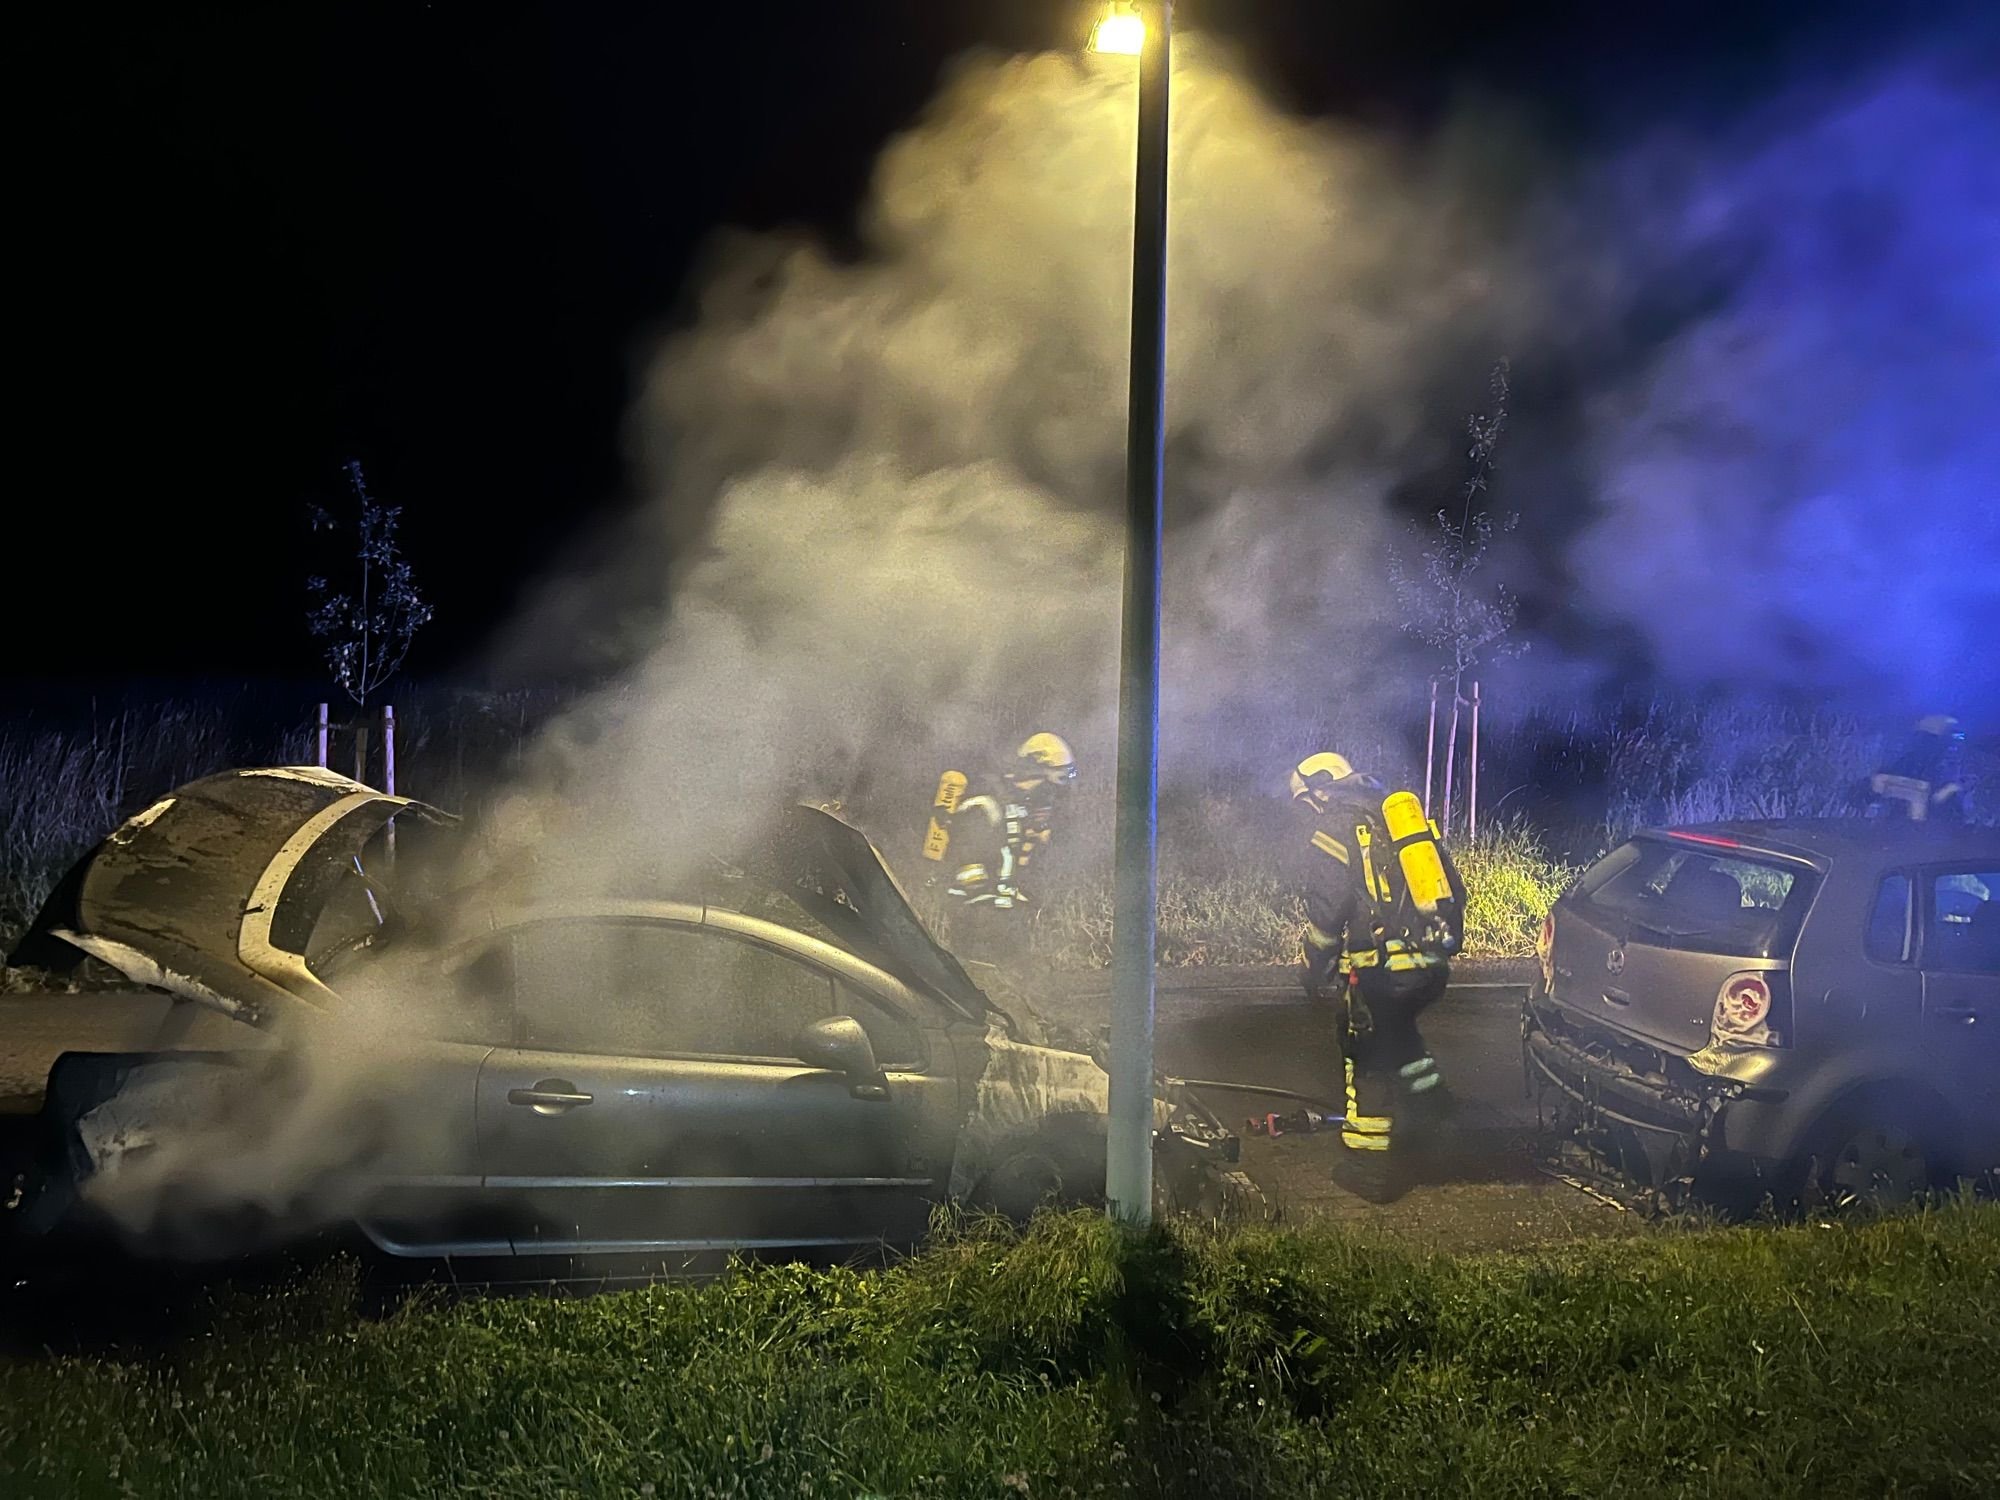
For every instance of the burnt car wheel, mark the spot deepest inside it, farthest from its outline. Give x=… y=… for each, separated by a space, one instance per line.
x=1053 y=1169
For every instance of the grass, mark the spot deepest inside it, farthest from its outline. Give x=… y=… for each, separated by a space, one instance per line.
x=1852 y=1359
x=1691 y=763
x=1511 y=882
x=1233 y=913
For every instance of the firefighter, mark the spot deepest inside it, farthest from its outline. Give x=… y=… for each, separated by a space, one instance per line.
x=1922 y=782
x=1385 y=912
x=988 y=841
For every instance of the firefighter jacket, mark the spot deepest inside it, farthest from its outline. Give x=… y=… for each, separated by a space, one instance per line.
x=993 y=838
x=1342 y=870
x=1923 y=781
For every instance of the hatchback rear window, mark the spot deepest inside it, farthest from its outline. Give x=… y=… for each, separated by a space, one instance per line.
x=1704 y=899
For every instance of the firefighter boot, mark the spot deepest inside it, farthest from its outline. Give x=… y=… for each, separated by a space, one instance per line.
x=1423 y=1115
x=1367 y=1167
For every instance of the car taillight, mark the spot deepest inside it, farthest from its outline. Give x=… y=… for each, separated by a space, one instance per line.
x=1753 y=1007
x=1545 y=950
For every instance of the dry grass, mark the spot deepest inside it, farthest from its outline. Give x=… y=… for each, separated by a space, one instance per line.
x=1234 y=914
x=1221 y=901
x=60 y=792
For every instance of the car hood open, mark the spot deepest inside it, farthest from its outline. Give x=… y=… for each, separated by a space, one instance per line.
x=213 y=892
x=831 y=870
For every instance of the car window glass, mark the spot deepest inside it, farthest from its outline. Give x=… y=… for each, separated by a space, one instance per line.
x=648 y=988
x=1965 y=923
x=1888 y=939
x=475 y=997
x=1699 y=899
x=375 y=896
x=890 y=1033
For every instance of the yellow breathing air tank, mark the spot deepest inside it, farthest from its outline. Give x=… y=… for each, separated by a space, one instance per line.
x=1417 y=850
x=937 y=838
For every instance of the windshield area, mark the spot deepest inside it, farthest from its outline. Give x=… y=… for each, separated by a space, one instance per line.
x=1709 y=900
x=734 y=891
x=377 y=895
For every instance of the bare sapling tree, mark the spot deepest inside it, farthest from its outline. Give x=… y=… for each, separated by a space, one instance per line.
x=365 y=631
x=1445 y=602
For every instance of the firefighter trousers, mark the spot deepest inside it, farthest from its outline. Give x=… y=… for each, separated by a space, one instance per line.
x=1391 y=1078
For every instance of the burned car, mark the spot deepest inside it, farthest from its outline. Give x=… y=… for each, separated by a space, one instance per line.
x=1778 y=1009
x=463 y=1072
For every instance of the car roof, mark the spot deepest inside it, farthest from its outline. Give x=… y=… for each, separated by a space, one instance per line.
x=1846 y=838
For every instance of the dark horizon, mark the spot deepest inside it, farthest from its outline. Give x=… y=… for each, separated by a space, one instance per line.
x=442 y=241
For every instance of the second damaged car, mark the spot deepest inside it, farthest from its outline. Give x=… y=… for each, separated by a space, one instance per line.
x=1793 y=1010
x=464 y=1073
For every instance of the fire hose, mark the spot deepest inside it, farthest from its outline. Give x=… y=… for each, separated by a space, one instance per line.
x=1316 y=1114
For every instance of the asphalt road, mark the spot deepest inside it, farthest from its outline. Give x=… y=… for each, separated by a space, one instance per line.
x=34 y=1029
x=1488 y=1189
x=1277 y=1037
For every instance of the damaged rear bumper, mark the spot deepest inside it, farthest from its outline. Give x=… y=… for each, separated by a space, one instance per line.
x=1648 y=1114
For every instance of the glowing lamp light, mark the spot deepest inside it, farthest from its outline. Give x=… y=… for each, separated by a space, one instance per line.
x=1119 y=30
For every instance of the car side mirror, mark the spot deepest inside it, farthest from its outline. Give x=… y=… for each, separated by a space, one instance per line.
x=839 y=1045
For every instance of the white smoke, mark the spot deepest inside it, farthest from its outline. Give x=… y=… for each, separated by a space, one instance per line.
x=891 y=487
x=883 y=494
x=1798 y=489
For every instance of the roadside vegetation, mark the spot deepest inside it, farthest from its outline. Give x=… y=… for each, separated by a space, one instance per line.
x=1563 y=789
x=1235 y=913
x=1851 y=1359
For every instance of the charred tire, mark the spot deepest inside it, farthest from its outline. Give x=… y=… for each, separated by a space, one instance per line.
x=1059 y=1168
x=1229 y=1196
x=1871 y=1153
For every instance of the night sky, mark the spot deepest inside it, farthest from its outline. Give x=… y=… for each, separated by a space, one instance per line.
x=440 y=237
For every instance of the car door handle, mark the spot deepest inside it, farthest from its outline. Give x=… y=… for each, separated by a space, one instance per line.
x=550 y=1096
x=1955 y=1013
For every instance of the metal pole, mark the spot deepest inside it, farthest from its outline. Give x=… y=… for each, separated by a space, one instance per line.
x=389 y=771
x=1472 y=775
x=1451 y=753
x=322 y=736
x=1128 y=1174
x=389 y=749
x=1430 y=746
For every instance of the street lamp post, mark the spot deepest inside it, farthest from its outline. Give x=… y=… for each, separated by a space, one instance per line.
x=1144 y=28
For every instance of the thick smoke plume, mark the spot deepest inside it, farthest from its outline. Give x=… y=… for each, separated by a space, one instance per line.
x=1801 y=488
x=883 y=492
x=889 y=487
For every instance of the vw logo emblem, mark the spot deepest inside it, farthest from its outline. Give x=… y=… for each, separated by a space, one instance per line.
x=1615 y=960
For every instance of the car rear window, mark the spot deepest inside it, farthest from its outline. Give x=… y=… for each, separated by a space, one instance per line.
x=1706 y=899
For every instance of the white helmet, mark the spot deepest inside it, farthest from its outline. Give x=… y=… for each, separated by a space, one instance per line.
x=1044 y=759
x=1315 y=777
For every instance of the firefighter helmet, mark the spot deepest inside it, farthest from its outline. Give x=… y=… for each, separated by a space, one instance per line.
x=1044 y=759
x=1315 y=777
